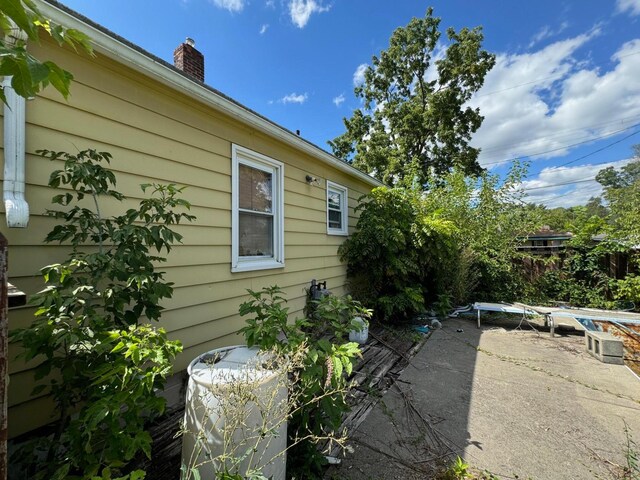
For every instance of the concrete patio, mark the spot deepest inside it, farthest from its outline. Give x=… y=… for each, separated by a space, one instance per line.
x=514 y=402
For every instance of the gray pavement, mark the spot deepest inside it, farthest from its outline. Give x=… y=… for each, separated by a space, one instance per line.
x=516 y=403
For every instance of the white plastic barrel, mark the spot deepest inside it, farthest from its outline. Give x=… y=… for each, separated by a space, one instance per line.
x=235 y=415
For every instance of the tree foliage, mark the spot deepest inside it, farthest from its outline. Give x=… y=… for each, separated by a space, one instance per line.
x=414 y=125
x=456 y=242
x=21 y=21
x=398 y=256
x=571 y=219
x=583 y=274
x=622 y=192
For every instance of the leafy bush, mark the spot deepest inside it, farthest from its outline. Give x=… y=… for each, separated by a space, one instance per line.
x=581 y=278
x=396 y=256
x=443 y=305
x=321 y=382
x=334 y=315
x=100 y=365
x=490 y=223
x=628 y=289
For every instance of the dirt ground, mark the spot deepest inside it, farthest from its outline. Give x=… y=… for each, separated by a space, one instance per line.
x=514 y=402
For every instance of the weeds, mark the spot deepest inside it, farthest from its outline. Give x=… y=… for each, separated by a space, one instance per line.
x=631 y=471
x=461 y=470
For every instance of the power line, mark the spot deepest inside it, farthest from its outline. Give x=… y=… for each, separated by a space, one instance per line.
x=553 y=197
x=559 y=133
x=579 y=180
x=589 y=179
x=600 y=149
x=575 y=144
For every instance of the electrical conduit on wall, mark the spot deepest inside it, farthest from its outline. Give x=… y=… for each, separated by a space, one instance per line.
x=15 y=203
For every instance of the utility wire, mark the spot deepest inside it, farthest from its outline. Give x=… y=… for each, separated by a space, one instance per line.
x=576 y=144
x=582 y=180
x=506 y=146
x=553 y=197
x=600 y=149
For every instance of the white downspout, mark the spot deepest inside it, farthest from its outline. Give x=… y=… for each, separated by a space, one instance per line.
x=15 y=204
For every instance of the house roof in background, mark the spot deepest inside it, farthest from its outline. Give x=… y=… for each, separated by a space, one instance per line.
x=550 y=235
x=115 y=47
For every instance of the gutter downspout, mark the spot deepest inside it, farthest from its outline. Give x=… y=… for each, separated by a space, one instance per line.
x=15 y=203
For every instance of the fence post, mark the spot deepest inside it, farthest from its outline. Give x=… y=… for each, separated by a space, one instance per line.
x=4 y=353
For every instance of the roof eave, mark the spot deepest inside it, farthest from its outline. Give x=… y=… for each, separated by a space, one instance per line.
x=141 y=61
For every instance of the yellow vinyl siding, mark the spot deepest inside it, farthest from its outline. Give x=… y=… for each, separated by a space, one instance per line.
x=160 y=135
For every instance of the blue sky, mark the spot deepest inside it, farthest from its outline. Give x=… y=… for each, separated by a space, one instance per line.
x=566 y=83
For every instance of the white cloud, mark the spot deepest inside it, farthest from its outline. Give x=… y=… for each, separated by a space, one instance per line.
x=263 y=28
x=358 y=75
x=578 y=186
x=546 y=100
x=631 y=6
x=294 y=98
x=301 y=10
x=339 y=100
x=270 y=4
x=231 y=5
x=547 y=32
x=439 y=52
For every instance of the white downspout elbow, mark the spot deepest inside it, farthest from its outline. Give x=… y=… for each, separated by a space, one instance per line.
x=15 y=203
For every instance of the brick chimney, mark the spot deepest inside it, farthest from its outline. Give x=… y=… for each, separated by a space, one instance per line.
x=189 y=60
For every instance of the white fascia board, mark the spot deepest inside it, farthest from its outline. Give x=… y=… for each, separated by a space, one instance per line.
x=117 y=50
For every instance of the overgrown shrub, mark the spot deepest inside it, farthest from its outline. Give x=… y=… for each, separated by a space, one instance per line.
x=628 y=289
x=582 y=277
x=491 y=222
x=98 y=358
x=458 y=239
x=320 y=386
x=398 y=256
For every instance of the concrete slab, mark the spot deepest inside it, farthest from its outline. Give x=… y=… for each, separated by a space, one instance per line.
x=511 y=402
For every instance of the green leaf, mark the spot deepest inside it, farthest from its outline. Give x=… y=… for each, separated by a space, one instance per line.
x=59 y=78
x=138 y=475
x=38 y=390
x=14 y=9
x=38 y=72
x=337 y=367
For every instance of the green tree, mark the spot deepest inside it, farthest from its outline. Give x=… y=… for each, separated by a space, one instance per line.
x=21 y=21
x=414 y=125
x=622 y=192
x=594 y=207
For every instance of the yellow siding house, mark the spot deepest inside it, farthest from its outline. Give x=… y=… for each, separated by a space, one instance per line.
x=162 y=124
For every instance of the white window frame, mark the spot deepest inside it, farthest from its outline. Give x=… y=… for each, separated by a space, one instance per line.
x=344 y=192
x=241 y=155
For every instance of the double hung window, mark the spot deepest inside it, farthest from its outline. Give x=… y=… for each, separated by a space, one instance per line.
x=257 y=211
x=337 y=209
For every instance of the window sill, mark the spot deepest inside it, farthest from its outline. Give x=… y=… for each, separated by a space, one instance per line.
x=341 y=233
x=251 y=265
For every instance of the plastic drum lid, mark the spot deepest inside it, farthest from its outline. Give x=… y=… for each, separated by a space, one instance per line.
x=234 y=364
